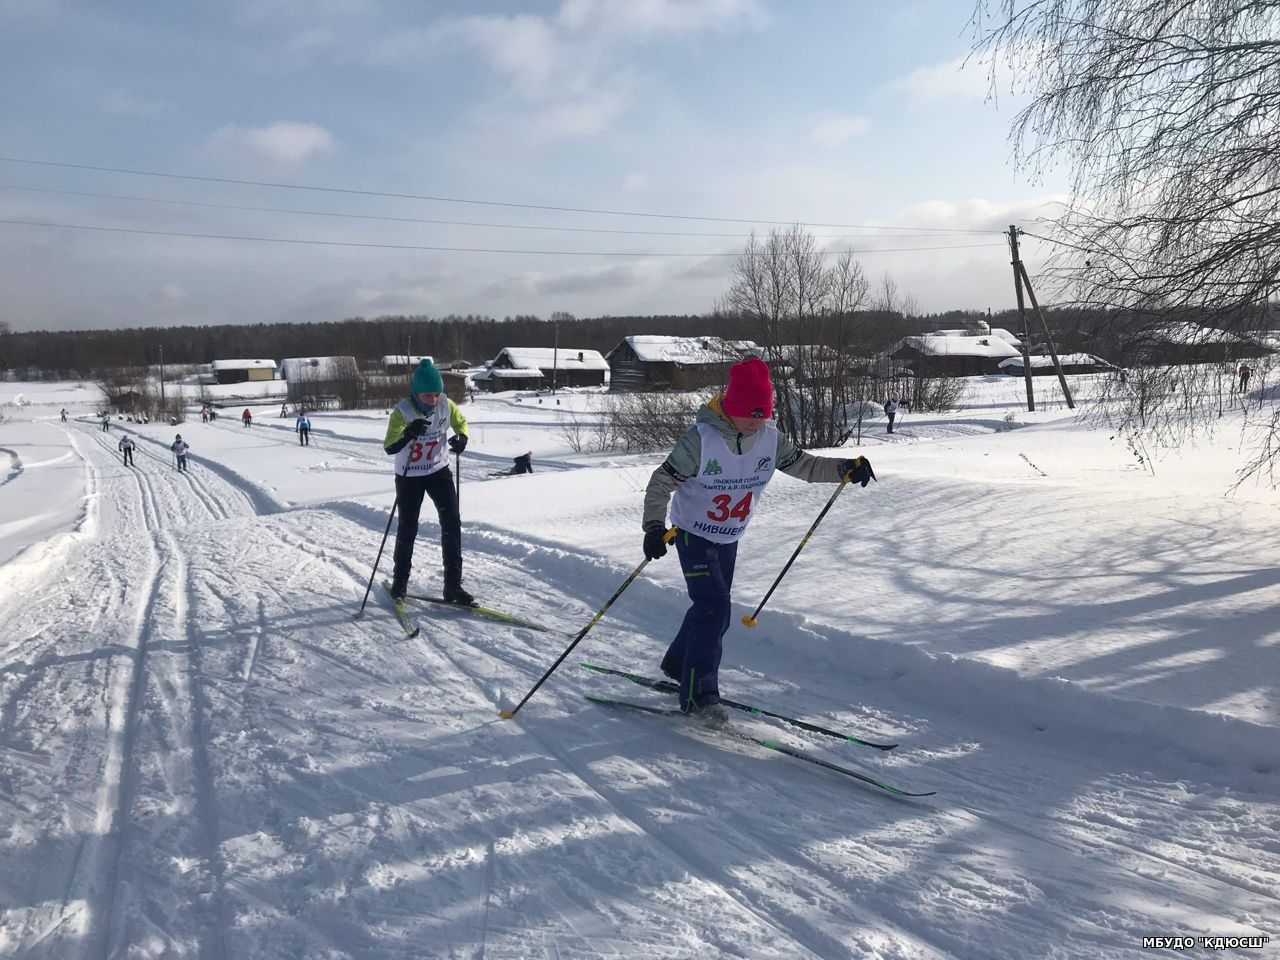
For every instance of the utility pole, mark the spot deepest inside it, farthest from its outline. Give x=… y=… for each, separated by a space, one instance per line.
x=1022 y=312
x=1048 y=337
x=555 y=350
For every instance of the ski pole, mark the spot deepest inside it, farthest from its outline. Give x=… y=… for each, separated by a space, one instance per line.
x=749 y=619
x=381 y=547
x=457 y=468
x=508 y=714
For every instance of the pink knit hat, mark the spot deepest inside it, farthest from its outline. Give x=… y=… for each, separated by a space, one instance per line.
x=750 y=391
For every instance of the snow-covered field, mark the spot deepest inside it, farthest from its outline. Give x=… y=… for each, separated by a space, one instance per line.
x=202 y=753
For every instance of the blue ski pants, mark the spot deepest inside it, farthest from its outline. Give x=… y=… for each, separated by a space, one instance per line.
x=694 y=655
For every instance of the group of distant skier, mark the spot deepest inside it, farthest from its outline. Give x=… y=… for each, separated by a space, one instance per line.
x=180 y=448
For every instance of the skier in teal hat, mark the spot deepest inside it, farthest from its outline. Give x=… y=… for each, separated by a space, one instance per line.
x=416 y=437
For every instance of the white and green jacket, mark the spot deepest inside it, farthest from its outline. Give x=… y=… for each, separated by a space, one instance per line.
x=424 y=455
x=685 y=460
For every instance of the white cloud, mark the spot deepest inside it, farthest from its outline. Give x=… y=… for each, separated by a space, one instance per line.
x=958 y=79
x=646 y=18
x=283 y=142
x=524 y=49
x=977 y=213
x=577 y=118
x=835 y=131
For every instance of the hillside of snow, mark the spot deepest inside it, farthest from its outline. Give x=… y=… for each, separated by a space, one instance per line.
x=204 y=753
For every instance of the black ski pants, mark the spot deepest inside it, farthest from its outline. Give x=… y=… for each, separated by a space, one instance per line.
x=128 y=456
x=410 y=491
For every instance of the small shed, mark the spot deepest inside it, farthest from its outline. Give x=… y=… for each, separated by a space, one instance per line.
x=652 y=362
x=243 y=371
x=401 y=364
x=497 y=379
x=943 y=355
x=563 y=367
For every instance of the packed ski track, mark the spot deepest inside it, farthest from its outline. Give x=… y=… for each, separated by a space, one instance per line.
x=204 y=752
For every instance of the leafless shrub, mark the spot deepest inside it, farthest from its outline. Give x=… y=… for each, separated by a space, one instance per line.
x=803 y=310
x=637 y=422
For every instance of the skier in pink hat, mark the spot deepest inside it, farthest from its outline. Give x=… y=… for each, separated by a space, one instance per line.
x=713 y=480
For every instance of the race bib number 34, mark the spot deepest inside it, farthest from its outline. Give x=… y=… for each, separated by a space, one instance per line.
x=739 y=511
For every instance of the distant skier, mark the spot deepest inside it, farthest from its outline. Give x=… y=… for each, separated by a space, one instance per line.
x=717 y=473
x=126 y=448
x=180 y=448
x=247 y=417
x=284 y=410
x=524 y=463
x=303 y=427
x=891 y=408
x=415 y=436
x=64 y=414
x=106 y=422
x=204 y=413
x=1244 y=376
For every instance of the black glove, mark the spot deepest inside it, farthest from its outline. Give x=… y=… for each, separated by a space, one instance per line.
x=416 y=429
x=858 y=470
x=458 y=442
x=654 y=547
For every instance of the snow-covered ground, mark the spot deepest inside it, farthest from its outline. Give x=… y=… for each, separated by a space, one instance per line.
x=202 y=753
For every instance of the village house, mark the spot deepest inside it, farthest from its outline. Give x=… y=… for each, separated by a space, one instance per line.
x=316 y=381
x=1042 y=366
x=651 y=362
x=242 y=371
x=533 y=368
x=974 y=351
x=401 y=364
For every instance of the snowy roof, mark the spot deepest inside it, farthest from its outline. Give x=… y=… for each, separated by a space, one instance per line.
x=1068 y=359
x=1184 y=331
x=565 y=358
x=945 y=346
x=690 y=351
x=242 y=364
x=400 y=360
x=510 y=373
x=1000 y=332
x=320 y=367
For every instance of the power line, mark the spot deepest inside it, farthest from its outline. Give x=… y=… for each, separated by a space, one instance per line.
x=441 y=199
x=444 y=249
x=455 y=223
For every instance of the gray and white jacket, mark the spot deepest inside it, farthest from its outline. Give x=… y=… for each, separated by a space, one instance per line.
x=685 y=460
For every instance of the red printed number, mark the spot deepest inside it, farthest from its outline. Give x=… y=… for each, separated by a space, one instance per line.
x=740 y=510
x=416 y=454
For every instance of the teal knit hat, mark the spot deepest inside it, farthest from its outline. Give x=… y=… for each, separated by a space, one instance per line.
x=427 y=379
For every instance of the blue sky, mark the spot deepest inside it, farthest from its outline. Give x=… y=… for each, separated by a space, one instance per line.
x=845 y=113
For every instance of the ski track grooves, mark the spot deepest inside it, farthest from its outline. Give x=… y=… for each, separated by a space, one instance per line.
x=120 y=781
x=813 y=941
x=171 y=671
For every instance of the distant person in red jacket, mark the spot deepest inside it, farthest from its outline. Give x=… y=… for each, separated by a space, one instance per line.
x=247 y=417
